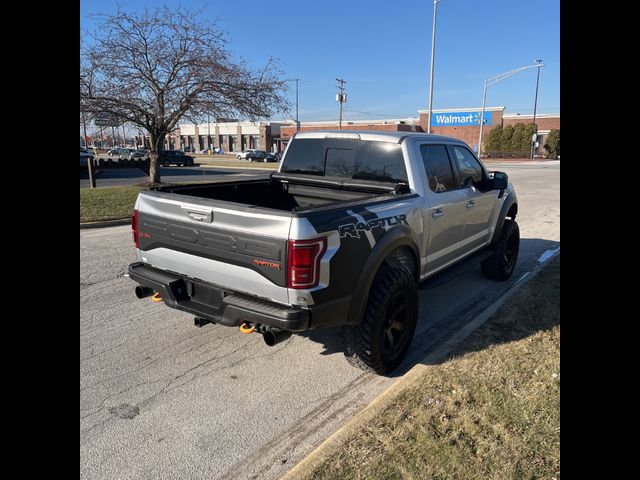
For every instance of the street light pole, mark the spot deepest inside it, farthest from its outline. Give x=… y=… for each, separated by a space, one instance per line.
x=492 y=81
x=433 y=52
x=535 y=107
x=297 y=120
x=484 y=104
x=208 y=135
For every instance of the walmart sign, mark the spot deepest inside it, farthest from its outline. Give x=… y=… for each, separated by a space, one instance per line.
x=455 y=119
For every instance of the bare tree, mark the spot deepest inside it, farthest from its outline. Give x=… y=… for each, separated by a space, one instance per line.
x=154 y=68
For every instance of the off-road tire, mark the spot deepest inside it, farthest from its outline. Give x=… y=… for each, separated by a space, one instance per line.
x=365 y=344
x=500 y=265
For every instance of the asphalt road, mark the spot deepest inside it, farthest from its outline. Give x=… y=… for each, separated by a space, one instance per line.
x=160 y=398
x=131 y=176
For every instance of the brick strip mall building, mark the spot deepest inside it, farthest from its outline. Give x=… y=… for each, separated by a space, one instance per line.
x=462 y=123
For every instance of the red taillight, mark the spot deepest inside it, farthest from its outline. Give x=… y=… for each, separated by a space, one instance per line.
x=303 y=262
x=134 y=227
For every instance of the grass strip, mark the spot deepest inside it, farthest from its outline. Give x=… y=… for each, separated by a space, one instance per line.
x=490 y=409
x=107 y=203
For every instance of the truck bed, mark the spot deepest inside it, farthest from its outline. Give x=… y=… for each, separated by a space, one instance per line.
x=285 y=193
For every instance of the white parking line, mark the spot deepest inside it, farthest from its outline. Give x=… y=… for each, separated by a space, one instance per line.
x=547 y=254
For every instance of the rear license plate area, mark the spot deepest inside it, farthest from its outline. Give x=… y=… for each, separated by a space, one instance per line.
x=204 y=294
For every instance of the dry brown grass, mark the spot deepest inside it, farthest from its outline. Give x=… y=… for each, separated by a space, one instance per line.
x=489 y=410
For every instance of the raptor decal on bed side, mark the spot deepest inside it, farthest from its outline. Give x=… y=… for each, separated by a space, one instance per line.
x=354 y=229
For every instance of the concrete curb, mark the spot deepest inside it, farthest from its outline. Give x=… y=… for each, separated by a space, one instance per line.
x=107 y=223
x=331 y=444
x=237 y=168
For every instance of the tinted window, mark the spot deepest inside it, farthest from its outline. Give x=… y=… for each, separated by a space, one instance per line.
x=353 y=159
x=438 y=168
x=467 y=165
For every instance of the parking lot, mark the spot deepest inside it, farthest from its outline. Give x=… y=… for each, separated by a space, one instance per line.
x=133 y=176
x=161 y=398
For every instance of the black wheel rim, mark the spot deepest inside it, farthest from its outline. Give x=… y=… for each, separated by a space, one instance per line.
x=395 y=330
x=511 y=252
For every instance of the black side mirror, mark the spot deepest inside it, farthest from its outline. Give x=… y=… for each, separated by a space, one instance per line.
x=500 y=180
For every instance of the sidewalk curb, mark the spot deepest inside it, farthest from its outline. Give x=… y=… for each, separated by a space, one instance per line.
x=107 y=223
x=238 y=168
x=330 y=445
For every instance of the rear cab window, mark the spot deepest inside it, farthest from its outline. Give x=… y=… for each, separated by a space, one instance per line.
x=437 y=165
x=347 y=159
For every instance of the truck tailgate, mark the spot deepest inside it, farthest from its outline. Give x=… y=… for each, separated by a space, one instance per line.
x=209 y=240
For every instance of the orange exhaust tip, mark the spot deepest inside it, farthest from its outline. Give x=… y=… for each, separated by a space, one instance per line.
x=156 y=297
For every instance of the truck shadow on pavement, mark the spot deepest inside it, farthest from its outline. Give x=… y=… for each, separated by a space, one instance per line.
x=435 y=329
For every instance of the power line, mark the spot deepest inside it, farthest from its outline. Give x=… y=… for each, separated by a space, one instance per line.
x=382 y=114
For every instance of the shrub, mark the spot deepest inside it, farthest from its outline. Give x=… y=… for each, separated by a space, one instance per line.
x=494 y=140
x=552 y=145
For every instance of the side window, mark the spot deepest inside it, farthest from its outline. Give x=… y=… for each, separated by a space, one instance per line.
x=438 y=168
x=467 y=165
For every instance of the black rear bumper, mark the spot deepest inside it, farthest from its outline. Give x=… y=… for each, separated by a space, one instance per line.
x=215 y=304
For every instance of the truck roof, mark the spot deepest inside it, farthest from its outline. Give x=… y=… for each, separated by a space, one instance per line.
x=375 y=135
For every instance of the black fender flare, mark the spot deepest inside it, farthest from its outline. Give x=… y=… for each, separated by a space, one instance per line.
x=506 y=206
x=400 y=236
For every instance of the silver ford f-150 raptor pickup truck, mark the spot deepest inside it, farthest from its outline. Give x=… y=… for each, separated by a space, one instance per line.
x=340 y=235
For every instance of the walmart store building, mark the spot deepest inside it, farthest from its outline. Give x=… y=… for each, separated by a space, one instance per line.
x=464 y=123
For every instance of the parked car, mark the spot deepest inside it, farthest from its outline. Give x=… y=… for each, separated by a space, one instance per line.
x=119 y=152
x=137 y=154
x=243 y=154
x=175 y=157
x=261 y=156
x=360 y=219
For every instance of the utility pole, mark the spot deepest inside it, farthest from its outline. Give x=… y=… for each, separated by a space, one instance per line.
x=433 y=57
x=535 y=107
x=341 y=97
x=297 y=120
x=124 y=137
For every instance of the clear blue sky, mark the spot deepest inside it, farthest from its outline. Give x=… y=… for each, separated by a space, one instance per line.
x=382 y=49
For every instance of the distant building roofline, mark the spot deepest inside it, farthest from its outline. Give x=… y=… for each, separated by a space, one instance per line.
x=469 y=109
x=530 y=115
x=380 y=121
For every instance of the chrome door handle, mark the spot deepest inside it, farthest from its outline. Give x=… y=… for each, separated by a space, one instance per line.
x=437 y=213
x=471 y=204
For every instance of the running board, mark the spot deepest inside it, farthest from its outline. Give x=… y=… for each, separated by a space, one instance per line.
x=455 y=270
